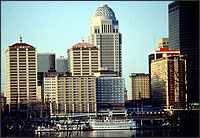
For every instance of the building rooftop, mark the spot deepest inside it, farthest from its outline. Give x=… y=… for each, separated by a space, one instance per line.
x=104 y=12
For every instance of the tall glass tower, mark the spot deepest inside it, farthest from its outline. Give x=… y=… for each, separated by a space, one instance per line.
x=104 y=33
x=184 y=36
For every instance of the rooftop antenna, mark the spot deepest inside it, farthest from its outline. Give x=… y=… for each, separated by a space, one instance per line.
x=19 y=39
x=82 y=40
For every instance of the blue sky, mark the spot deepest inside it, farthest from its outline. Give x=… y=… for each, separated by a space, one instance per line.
x=53 y=26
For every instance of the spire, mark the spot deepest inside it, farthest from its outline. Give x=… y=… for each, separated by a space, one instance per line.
x=82 y=40
x=19 y=39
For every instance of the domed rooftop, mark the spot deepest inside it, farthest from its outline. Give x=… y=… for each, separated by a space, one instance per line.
x=104 y=12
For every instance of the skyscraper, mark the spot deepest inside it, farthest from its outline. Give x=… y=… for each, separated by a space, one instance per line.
x=162 y=52
x=104 y=33
x=83 y=59
x=184 y=36
x=46 y=62
x=61 y=64
x=168 y=81
x=21 y=74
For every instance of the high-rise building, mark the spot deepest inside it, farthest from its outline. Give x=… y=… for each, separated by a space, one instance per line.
x=83 y=59
x=45 y=62
x=168 y=81
x=61 y=64
x=70 y=94
x=21 y=74
x=109 y=90
x=104 y=33
x=163 y=43
x=162 y=52
x=139 y=86
x=184 y=36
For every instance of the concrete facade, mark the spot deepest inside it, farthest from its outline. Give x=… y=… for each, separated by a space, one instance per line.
x=139 y=83
x=104 y=33
x=21 y=74
x=168 y=81
x=83 y=59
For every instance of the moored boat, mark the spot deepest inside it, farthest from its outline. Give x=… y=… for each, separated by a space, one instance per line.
x=112 y=124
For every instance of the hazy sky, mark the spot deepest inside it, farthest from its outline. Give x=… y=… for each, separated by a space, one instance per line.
x=53 y=26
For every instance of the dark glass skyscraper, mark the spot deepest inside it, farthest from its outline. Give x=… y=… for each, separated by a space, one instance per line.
x=45 y=62
x=184 y=36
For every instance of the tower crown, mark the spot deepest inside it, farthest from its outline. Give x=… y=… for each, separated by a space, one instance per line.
x=104 y=12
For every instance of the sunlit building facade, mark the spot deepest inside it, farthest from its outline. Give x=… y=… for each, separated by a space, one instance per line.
x=83 y=59
x=139 y=83
x=104 y=33
x=168 y=81
x=21 y=75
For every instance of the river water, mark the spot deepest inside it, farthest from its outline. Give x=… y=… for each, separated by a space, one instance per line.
x=164 y=132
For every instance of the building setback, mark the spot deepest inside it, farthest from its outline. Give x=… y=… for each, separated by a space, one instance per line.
x=184 y=36
x=168 y=81
x=83 y=59
x=163 y=43
x=21 y=74
x=139 y=86
x=104 y=33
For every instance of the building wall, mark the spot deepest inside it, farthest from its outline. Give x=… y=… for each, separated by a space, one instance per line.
x=104 y=32
x=139 y=86
x=45 y=61
x=168 y=81
x=21 y=70
x=73 y=94
x=163 y=43
x=110 y=92
x=83 y=61
x=159 y=83
x=184 y=36
x=61 y=64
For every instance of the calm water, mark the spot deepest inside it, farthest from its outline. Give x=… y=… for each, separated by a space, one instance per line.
x=123 y=133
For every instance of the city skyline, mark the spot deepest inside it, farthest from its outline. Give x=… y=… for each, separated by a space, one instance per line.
x=140 y=30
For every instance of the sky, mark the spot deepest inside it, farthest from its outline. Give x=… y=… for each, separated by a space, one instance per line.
x=53 y=26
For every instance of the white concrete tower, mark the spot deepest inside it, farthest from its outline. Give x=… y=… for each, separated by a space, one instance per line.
x=104 y=32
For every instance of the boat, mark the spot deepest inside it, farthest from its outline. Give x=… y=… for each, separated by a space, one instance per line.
x=44 y=129
x=112 y=124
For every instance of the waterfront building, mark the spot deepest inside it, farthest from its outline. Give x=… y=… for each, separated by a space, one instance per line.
x=109 y=90
x=168 y=81
x=184 y=36
x=104 y=33
x=163 y=43
x=62 y=64
x=21 y=75
x=83 y=59
x=139 y=83
x=160 y=53
x=67 y=94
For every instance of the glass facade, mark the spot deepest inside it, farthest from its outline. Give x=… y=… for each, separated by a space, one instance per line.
x=109 y=92
x=184 y=36
x=61 y=65
x=45 y=62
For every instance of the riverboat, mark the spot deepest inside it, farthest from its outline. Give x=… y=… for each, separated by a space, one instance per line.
x=112 y=124
x=44 y=129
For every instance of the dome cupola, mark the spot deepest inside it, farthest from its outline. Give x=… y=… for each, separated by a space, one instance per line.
x=104 y=12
